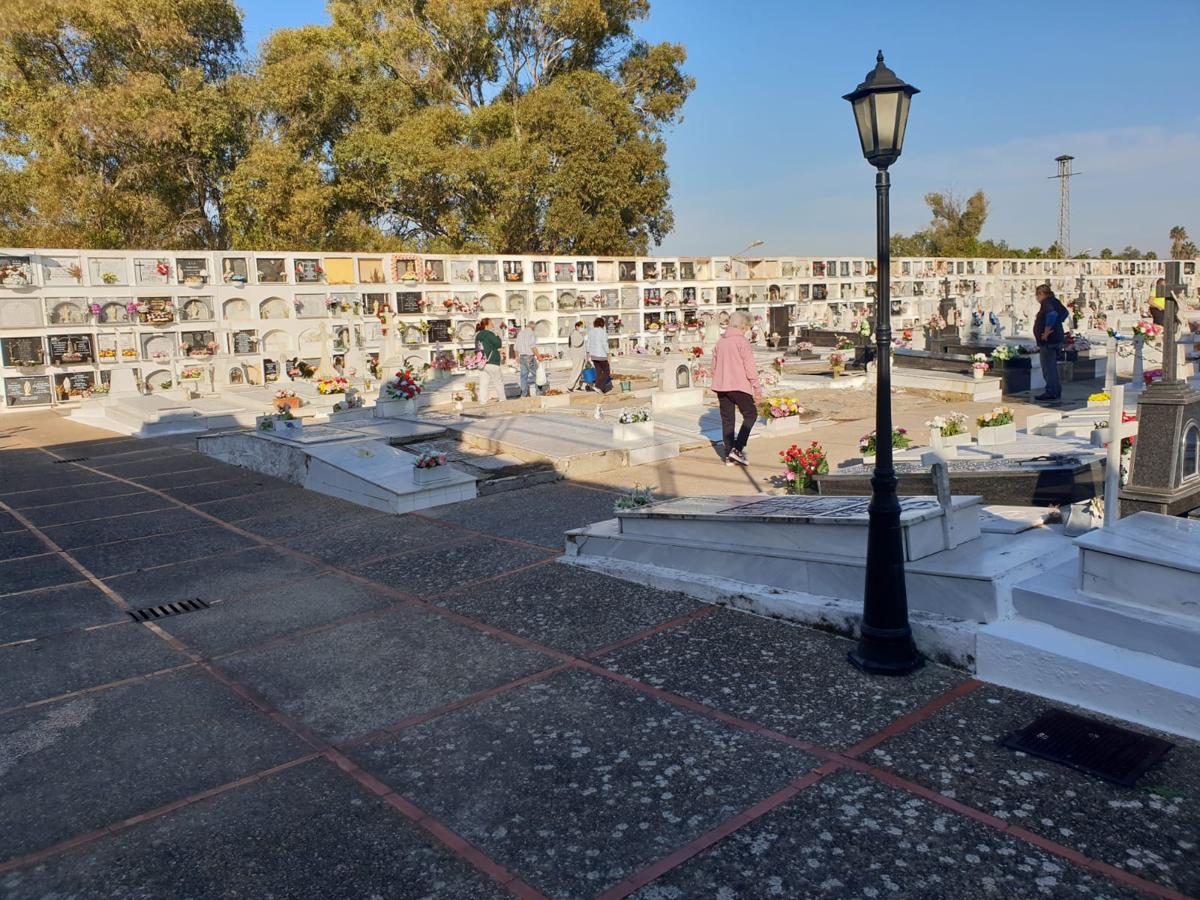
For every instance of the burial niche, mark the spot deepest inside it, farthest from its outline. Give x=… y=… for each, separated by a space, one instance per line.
x=1191 y=451
x=683 y=377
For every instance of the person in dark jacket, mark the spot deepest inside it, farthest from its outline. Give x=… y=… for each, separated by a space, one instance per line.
x=1049 y=334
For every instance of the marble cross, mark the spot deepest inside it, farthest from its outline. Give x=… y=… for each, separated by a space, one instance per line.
x=325 y=366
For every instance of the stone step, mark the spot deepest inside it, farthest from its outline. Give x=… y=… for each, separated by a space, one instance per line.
x=972 y=582
x=1115 y=681
x=1053 y=598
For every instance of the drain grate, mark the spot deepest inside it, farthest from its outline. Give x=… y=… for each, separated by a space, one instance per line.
x=178 y=607
x=1106 y=751
x=59 y=462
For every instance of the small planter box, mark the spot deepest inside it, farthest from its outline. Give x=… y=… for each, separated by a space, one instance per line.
x=1098 y=404
x=868 y=460
x=277 y=426
x=287 y=403
x=998 y=434
x=783 y=425
x=938 y=441
x=431 y=475
x=633 y=431
x=390 y=409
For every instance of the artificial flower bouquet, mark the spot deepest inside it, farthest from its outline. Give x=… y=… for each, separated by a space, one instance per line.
x=1001 y=415
x=779 y=407
x=948 y=425
x=404 y=386
x=430 y=460
x=867 y=444
x=332 y=385
x=800 y=465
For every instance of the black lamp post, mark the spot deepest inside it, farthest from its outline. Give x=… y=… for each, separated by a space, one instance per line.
x=885 y=645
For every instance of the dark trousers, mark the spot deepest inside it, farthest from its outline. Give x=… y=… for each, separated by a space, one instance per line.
x=1049 y=355
x=742 y=402
x=603 y=375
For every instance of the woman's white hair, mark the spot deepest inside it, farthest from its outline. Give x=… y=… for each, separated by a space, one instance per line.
x=739 y=319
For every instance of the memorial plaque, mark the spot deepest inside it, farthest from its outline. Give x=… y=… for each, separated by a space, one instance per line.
x=308 y=270
x=196 y=309
x=627 y=271
x=439 y=331
x=61 y=270
x=151 y=271
x=408 y=302
x=68 y=349
x=20 y=312
x=35 y=391
x=107 y=271
x=192 y=271
x=724 y=295
x=270 y=370
x=310 y=306
x=489 y=270
x=585 y=271
x=271 y=270
x=687 y=270
x=73 y=384
x=23 y=351
x=245 y=342
x=67 y=310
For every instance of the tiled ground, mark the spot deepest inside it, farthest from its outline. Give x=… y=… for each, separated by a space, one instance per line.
x=430 y=706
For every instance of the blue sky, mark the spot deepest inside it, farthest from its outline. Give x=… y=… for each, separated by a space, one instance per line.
x=767 y=149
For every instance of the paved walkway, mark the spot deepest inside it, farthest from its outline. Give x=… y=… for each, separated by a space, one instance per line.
x=431 y=706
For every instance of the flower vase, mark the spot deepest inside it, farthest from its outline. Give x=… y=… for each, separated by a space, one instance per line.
x=978 y=373
x=430 y=475
x=1139 y=344
x=998 y=434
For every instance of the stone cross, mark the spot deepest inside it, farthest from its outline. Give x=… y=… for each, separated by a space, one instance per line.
x=1170 y=349
x=325 y=366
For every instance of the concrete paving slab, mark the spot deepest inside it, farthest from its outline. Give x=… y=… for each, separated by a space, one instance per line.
x=72 y=661
x=586 y=780
x=852 y=836
x=62 y=513
x=457 y=564
x=107 y=560
x=305 y=832
x=137 y=526
x=1151 y=830
x=789 y=679
x=164 y=739
x=570 y=609
x=38 y=613
x=232 y=576
x=273 y=612
x=362 y=676
x=33 y=572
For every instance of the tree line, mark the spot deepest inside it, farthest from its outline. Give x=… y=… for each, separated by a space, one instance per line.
x=447 y=125
x=957 y=224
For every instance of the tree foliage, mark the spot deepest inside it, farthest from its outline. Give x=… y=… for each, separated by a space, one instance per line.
x=119 y=121
x=515 y=126
x=1182 y=246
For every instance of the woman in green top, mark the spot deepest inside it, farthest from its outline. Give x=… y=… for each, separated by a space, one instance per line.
x=490 y=377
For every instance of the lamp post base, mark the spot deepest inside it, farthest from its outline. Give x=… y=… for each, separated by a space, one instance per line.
x=886 y=651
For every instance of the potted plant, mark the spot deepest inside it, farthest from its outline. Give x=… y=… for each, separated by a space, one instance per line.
x=285 y=399
x=633 y=425
x=801 y=466
x=949 y=430
x=430 y=467
x=997 y=427
x=1098 y=400
x=782 y=414
x=636 y=497
x=837 y=362
x=867 y=444
x=979 y=365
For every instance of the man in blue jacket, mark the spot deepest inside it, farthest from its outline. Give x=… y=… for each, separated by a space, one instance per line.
x=1048 y=332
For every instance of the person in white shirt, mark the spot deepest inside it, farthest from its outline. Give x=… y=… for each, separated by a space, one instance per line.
x=527 y=359
x=576 y=352
x=597 y=352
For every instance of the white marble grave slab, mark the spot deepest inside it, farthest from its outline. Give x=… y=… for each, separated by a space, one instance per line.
x=1146 y=559
x=996 y=519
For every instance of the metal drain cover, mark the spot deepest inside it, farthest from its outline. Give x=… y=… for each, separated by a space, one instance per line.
x=175 y=608
x=1106 y=751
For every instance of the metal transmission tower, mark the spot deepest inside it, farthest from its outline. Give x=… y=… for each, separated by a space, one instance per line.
x=1064 y=203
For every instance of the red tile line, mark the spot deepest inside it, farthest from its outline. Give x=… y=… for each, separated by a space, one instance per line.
x=678 y=700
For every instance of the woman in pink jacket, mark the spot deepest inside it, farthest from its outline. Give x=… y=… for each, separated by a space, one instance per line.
x=735 y=380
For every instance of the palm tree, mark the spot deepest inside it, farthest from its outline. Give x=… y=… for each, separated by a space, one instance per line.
x=1179 y=237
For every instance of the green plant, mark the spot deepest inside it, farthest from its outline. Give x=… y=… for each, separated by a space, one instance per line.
x=1001 y=415
x=635 y=498
x=900 y=441
x=165 y=385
